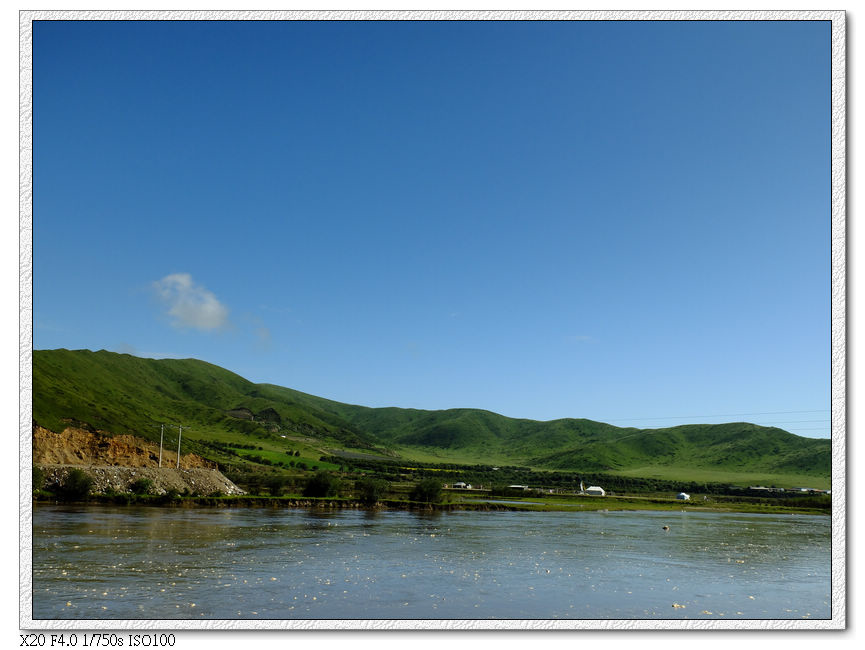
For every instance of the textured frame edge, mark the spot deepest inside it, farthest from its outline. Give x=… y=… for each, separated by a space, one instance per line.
x=838 y=324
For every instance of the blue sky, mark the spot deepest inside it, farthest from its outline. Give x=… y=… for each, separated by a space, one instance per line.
x=622 y=221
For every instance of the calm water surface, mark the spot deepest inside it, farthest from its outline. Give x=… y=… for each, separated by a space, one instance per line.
x=163 y=563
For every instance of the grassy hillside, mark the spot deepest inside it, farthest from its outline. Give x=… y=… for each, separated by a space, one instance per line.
x=120 y=393
x=473 y=435
x=125 y=394
x=740 y=445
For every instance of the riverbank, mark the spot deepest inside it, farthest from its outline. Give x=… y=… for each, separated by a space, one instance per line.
x=589 y=504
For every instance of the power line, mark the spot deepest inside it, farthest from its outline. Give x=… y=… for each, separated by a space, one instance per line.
x=798 y=421
x=716 y=415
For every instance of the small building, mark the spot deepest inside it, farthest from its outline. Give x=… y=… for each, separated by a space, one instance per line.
x=460 y=486
x=683 y=497
x=595 y=491
x=518 y=487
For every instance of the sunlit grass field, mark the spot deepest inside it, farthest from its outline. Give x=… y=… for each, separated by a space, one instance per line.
x=725 y=476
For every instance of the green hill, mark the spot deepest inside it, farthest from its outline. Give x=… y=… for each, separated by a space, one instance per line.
x=120 y=393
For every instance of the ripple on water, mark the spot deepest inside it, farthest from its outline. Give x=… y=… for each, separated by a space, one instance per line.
x=498 y=565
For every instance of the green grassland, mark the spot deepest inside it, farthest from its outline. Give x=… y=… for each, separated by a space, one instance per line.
x=703 y=475
x=119 y=393
x=452 y=456
x=632 y=503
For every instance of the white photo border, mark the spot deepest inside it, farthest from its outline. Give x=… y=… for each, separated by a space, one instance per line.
x=838 y=323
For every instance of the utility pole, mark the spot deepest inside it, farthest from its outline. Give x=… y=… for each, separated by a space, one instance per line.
x=179 y=437
x=161 y=436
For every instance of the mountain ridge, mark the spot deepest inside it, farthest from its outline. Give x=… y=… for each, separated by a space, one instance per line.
x=127 y=394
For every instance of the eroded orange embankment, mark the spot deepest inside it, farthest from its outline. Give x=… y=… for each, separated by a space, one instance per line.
x=79 y=447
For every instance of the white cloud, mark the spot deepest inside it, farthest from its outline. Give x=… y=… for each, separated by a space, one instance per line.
x=190 y=304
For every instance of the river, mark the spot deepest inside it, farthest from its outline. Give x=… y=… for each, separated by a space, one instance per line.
x=96 y=562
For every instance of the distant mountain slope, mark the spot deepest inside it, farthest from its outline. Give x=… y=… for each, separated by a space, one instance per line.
x=586 y=444
x=737 y=445
x=122 y=393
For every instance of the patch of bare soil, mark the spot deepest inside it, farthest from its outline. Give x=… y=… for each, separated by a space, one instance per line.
x=115 y=462
x=79 y=447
